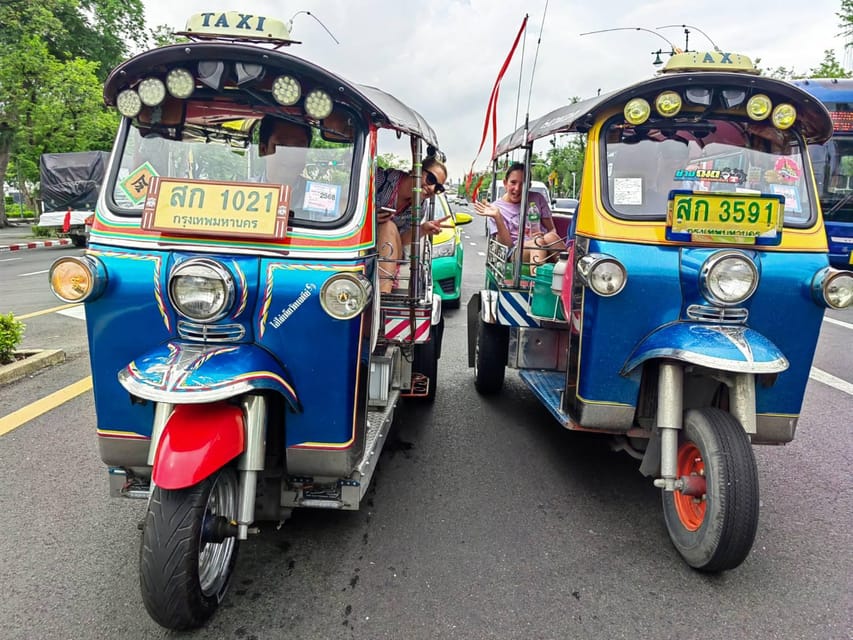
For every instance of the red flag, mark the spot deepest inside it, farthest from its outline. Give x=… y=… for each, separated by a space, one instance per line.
x=66 y=224
x=492 y=108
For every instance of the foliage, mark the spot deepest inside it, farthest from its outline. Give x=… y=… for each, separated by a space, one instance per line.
x=11 y=334
x=846 y=17
x=828 y=68
x=54 y=56
x=392 y=161
x=42 y=232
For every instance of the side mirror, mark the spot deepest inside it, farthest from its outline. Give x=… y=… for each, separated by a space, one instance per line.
x=463 y=218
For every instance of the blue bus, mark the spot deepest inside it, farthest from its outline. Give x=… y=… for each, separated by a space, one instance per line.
x=833 y=165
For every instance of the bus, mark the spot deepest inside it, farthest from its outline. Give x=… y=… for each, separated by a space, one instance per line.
x=833 y=165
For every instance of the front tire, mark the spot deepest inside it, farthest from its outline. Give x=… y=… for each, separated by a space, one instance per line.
x=183 y=575
x=714 y=532
x=490 y=353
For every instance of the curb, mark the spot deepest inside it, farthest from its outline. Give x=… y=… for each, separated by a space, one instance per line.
x=37 y=359
x=35 y=245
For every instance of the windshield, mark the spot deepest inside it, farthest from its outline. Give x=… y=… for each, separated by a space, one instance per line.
x=833 y=167
x=320 y=173
x=646 y=162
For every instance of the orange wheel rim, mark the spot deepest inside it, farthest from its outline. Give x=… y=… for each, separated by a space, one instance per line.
x=690 y=509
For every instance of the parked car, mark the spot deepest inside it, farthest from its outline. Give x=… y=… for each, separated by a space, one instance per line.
x=564 y=206
x=447 y=253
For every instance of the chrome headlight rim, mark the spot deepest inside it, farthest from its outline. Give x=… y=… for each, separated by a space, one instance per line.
x=823 y=280
x=713 y=263
x=588 y=264
x=221 y=273
x=95 y=272
x=364 y=289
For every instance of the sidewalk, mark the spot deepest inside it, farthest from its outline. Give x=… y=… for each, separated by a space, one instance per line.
x=20 y=236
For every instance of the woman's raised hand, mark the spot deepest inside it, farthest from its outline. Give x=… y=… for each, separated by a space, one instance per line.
x=486 y=209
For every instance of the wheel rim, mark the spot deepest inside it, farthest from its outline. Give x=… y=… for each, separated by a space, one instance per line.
x=214 y=558
x=690 y=509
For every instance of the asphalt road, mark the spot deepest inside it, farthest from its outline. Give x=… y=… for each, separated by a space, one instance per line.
x=485 y=520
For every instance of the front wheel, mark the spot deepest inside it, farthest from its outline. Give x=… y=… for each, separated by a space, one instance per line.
x=715 y=531
x=490 y=353
x=185 y=563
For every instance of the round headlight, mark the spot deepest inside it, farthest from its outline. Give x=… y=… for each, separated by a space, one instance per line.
x=345 y=295
x=74 y=279
x=318 y=104
x=784 y=116
x=286 y=90
x=180 y=83
x=758 y=107
x=838 y=290
x=128 y=103
x=604 y=275
x=668 y=103
x=637 y=111
x=728 y=278
x=201 y=289
x=151 y=91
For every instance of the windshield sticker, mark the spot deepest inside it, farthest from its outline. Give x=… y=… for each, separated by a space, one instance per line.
x=792 y=196
x=628 y=191
x=787 y=170
x=135 y=185
x=322 y=198
x=726 y=175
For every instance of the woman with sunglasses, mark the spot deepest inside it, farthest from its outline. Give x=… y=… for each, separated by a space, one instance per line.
x=394 y=204
x=541 y=241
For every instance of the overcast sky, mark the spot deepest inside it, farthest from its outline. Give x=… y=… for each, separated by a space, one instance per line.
x=441 y=57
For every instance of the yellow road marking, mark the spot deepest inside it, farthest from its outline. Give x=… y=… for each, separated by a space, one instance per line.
x=46 y=311
x=43 y=405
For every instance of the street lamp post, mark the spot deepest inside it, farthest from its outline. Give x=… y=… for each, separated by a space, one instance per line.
x=574 y=193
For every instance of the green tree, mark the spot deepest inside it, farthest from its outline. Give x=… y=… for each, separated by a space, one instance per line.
x=54 y=56
x=828 y=68
x=846 y=18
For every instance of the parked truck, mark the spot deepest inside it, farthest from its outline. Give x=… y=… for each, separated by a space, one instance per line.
x=70 y=183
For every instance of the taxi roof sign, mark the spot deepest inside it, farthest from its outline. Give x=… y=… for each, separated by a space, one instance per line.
x=234 y=25
x=709 y=61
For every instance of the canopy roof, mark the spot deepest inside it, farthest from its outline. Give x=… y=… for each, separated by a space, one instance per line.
x=382 y=108
x=812 y=117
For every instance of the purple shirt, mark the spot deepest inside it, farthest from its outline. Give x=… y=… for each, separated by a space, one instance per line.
x=509 y=212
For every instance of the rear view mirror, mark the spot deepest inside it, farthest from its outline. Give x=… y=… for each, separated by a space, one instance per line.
x=337 y=127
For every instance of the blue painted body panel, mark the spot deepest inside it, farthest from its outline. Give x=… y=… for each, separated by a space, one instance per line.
x=662 y=283
x=286 y=332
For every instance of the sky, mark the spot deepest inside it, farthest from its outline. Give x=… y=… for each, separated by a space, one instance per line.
x=441 y=57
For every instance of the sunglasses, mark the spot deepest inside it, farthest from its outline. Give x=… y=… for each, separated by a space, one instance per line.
x=432 y=181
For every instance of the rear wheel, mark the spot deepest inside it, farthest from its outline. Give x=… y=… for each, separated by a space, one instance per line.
x=714 y=531
x=78 y=241
x=490 y=353
x=185 y=563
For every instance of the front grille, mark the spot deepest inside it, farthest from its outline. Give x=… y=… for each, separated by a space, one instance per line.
x=727 y=315
x=447 y=285
x=210 y=332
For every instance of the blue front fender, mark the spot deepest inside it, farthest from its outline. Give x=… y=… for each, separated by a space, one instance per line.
x=726 y=348
x=187 y=373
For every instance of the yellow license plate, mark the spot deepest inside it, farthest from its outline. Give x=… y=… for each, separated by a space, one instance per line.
x=217 y=208
x=727 y=217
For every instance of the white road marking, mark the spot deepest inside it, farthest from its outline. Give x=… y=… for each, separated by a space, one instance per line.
x=9 y=259
x=78 y=312
x=481 y=253
x=831 y=380
x=473 y=244
x=34 y=273
x=846 y=325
